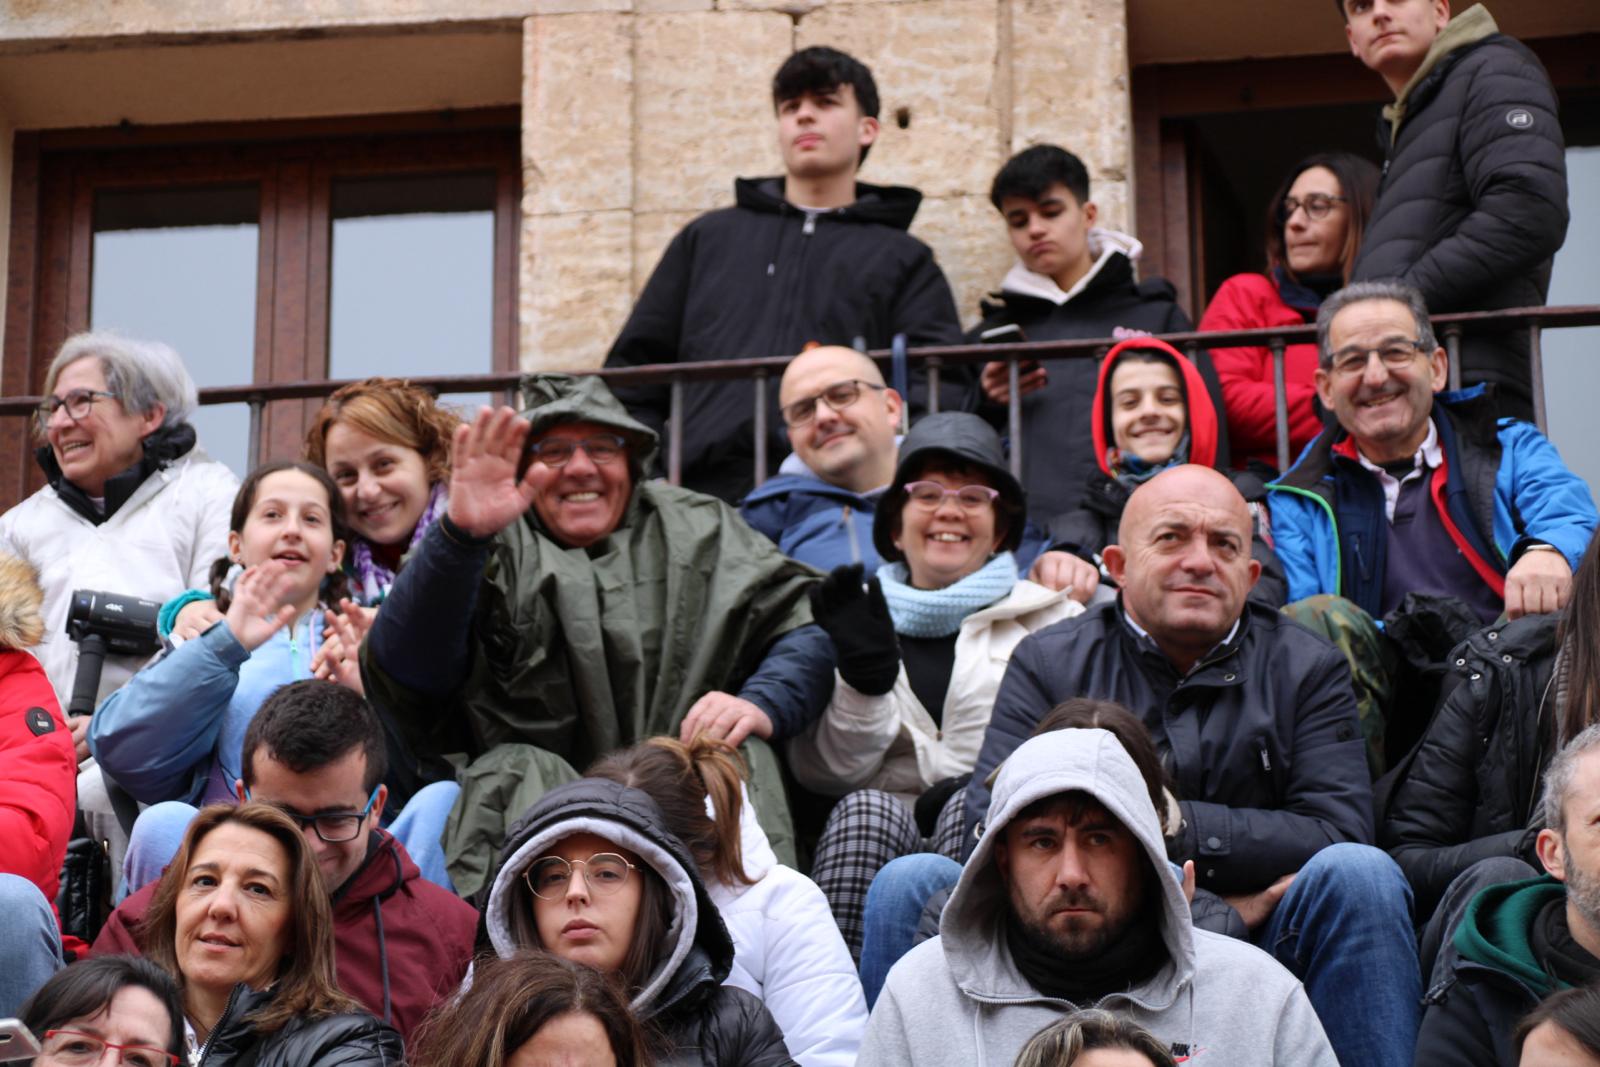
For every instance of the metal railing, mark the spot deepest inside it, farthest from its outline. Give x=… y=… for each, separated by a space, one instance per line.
x=763 y=370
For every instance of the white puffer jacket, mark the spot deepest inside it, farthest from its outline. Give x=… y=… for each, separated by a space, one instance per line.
x=788 y=951
x=162 y=541
x=890 y=742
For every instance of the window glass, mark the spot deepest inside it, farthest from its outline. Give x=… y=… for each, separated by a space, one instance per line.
x=413 y=278
x=1571 y=373
x=179 y=266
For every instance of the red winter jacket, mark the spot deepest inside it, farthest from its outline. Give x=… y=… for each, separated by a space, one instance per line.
x=38 y=773
x=38 y=767
x=401 y=944
x=1249 y=301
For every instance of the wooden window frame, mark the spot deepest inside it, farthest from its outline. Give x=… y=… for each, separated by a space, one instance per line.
x=56 y=175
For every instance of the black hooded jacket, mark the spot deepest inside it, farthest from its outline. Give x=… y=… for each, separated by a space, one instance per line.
x=697 y=1021
x=1058 y=459
x=1473 y=203
x=352 y=1040
x=764 y=278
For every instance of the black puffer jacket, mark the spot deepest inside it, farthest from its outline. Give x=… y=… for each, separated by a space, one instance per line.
x=1260 y=738
x=353 y=1040
x=763 y=278
x=698 y=1021
x=1472 y=788
x=1473 y=204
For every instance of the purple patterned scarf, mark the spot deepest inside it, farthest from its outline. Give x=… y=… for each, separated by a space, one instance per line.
x=370 y=579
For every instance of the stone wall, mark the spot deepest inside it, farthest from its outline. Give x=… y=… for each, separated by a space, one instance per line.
x=638 y=114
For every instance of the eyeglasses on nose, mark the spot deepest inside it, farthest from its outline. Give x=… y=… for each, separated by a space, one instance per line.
x=79 y=402
x=604 y=873
x=73 y=1049
x=1396 y=354
x=837 y=396
x=601 y=448
x=929 y=495
x=334 y=827
x=1317 y=205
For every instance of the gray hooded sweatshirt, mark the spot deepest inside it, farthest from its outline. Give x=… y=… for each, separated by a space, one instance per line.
x=959 y=998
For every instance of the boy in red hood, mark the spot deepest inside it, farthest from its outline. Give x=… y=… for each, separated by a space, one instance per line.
x=1151 y=411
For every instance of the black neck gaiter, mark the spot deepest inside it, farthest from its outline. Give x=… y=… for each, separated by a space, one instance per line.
x=1133 y=958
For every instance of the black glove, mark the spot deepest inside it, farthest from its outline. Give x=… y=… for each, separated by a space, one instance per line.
x=857 y=619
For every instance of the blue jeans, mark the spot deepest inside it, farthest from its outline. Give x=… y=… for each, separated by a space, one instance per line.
x=159 y=831
x=894 y=906
x=30 y=942
x=1344 y=929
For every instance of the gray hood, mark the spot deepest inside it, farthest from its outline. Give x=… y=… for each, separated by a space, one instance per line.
x=972 y=927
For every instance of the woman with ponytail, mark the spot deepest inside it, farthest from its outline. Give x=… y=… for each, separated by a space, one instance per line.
x=787 y=950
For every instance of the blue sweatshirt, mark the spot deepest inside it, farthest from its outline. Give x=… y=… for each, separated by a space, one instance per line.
x=175 y=731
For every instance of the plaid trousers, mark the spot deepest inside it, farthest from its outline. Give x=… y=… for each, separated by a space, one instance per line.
x=866 y=830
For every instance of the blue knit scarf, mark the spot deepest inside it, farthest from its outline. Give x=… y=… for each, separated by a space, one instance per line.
x=939 y=612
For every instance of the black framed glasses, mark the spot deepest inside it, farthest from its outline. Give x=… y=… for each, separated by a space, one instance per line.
x=1396 y=353
x=604 y=873
x=601 y=448
x=929 y=495
x=837 y=396
x=1317 y=205
x=78 y=402
x=334 y=827
x=73 y=1049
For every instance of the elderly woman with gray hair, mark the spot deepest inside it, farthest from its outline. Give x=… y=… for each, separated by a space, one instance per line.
x=132 y=505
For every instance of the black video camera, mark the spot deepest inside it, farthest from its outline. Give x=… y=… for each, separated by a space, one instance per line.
x=103 y=623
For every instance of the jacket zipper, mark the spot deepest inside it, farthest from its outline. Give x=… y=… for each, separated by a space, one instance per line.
x=233 y=1000
x=1333 y=522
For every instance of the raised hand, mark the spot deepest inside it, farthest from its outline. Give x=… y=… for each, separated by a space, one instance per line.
x=195 y=618
x=485 y=495
x=338 y=657
x=261 y=605
x=856 y=617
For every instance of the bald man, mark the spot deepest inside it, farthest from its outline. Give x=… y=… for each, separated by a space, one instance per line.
x=1256 y=724
x=843 y=423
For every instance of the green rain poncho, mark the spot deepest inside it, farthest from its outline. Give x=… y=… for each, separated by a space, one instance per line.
x=575 y=652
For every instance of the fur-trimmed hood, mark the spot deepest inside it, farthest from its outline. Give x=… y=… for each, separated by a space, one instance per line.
x=21 y=601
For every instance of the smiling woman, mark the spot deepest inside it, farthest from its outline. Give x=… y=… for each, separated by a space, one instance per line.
x=921 y=650
x=242 y=921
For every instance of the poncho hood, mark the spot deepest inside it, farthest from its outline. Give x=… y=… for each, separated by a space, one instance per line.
x=552 y=399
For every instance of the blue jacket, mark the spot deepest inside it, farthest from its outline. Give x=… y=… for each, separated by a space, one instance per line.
x=1503 y=486
x=175 y=731
x=805 y=517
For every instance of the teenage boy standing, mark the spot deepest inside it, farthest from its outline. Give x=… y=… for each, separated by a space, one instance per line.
x=1072 y=280
x=1473 y=204
x=810 y=255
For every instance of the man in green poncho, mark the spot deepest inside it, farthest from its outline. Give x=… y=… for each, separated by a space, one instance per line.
x=564 y=607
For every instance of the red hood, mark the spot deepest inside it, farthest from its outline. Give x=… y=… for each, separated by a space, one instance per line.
x=1202 y=415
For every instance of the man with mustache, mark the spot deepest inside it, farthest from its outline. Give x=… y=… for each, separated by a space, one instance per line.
x=1418 y=490
x=1256 y=722
x=1069 y=902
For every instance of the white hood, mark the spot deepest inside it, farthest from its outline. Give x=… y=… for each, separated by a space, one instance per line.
x=1103 y=244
